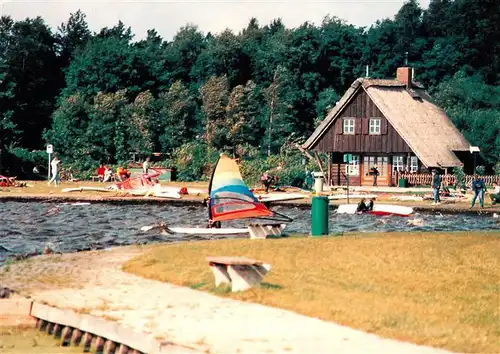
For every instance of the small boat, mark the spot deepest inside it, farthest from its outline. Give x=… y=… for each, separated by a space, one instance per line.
x=230 y=199
x=83 y=188
x=378 y=209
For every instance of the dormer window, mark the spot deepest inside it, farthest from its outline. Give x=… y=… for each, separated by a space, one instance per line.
x=348 y=126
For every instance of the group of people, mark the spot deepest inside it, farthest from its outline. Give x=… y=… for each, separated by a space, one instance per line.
x=104 y=173
x=365 y=206
x=478 y=187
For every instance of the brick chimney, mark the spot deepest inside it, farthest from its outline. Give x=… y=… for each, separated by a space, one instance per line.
x=404 y=75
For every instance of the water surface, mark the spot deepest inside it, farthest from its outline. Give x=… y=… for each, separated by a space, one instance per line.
x=30 y=226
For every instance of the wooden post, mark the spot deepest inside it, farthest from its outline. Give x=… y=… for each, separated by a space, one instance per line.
x=97 y=344
x=109 y=347
x=57 y=330
x=49 y=328
x=86 y=341
x=65 y=336
x=123 y=349
x=318 y=161
x=329 y=181
x=41 y=324
x=76 y=337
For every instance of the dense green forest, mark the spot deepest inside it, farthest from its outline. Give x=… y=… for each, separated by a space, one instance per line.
x=103 y=96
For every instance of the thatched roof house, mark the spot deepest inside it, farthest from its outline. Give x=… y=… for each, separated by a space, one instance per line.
x=387 y=124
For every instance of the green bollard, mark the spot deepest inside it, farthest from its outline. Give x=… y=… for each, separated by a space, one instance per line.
x=319 y=216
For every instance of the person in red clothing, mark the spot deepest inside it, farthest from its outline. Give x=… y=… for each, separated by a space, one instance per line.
x=100 y=172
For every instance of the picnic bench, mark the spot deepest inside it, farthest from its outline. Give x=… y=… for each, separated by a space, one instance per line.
x=241 y=272
x=261 y=231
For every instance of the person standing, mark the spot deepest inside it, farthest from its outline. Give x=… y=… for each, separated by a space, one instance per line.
x=478 y=187
x=54 y=165
x=100 y=172
x=375 y=174
x=145 y=166
x=436 y=186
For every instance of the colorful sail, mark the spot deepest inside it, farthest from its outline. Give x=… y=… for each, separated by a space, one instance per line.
x=230 y=198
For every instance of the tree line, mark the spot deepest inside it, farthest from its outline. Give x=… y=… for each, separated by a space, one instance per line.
x=102 y=96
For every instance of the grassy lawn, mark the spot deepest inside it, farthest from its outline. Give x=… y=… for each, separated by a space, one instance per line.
x=23 y=339
x=437 y=289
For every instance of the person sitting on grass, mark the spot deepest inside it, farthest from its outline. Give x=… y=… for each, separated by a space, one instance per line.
x=122 y=173
x=108 y=173
x=495 y=196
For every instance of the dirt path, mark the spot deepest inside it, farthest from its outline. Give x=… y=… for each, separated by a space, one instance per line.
x=92 y=282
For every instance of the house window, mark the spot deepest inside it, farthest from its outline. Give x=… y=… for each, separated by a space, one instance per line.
x=348 y=126
x=353 y=166
x=375 y=124
x=413 y=164
x=398 y=163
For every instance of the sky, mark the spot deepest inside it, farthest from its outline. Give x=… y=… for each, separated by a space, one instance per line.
x=167 y=16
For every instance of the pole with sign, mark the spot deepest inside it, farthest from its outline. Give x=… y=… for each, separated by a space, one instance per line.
x=50 y=150
x=347 y=159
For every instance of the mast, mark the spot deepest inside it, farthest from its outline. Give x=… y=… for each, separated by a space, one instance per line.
x=210 y=189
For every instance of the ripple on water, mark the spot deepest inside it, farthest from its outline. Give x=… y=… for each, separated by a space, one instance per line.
x=26 y=227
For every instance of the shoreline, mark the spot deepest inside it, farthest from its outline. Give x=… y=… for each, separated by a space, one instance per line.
x=445 y=208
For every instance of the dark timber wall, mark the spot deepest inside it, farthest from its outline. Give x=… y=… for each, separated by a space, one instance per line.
x=361 y=108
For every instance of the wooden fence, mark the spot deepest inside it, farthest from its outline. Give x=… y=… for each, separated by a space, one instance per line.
x=426 y=179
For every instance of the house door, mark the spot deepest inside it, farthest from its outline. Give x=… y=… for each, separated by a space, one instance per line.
x=382 y=164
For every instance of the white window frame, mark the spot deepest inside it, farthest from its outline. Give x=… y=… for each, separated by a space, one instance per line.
x=398 y=162
x=353 y=166
x=349 y=126
x=413 y=164
x=375 y=126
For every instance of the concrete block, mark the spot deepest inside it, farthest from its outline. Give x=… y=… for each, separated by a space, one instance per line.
x=220 y=273
x=244 y=277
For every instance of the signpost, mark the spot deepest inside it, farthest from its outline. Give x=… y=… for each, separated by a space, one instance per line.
x=347 y=159
x=50 y=150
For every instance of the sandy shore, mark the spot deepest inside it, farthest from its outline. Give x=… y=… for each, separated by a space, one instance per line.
x=39 y=191
x=93 y=283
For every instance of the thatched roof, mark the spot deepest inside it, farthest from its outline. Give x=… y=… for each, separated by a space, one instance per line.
x=424 y=126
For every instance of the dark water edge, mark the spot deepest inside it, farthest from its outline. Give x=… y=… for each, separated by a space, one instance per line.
x=28 y=227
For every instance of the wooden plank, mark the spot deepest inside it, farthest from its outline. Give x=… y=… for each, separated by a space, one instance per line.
x=96 y=326
x=234 y=260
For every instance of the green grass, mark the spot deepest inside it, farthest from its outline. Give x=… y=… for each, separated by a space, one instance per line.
x=24 y=340
x=437 y=289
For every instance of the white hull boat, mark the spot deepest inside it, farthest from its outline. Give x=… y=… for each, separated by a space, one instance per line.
x=352 y=196
x=378 y=209
x=278 y=197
